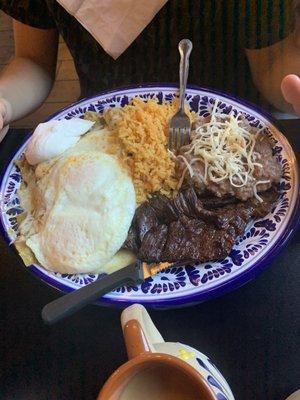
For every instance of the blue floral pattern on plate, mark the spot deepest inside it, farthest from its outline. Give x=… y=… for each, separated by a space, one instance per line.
x=190 y=281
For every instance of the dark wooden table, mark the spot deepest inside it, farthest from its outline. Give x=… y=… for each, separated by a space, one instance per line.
x=252 y=334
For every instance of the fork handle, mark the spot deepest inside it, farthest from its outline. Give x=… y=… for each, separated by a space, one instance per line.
x=185 y=47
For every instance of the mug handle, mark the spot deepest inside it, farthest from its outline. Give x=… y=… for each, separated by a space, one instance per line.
x=140 y=333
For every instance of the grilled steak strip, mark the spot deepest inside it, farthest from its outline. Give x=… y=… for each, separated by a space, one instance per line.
x=183 y=230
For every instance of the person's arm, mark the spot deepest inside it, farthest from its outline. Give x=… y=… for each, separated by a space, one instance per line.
x=275 y=69
x=270 y=65
x=27 y=80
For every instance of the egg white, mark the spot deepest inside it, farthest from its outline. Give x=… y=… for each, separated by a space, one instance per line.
x=52 y=138
x=86 y=208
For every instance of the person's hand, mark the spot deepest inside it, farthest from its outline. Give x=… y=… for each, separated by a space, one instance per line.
x=5 y=114
x=294 y=396
x=3 y=132
x=290 y=87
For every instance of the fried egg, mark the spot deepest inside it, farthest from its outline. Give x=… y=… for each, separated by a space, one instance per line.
x=52 y=138
x=86 y=202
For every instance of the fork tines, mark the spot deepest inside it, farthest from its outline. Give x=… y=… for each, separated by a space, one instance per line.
x=179 y=131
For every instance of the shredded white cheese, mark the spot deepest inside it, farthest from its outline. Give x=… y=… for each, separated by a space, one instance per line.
x=226 y=150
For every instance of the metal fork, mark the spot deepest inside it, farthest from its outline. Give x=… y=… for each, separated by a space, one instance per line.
x=180 y=124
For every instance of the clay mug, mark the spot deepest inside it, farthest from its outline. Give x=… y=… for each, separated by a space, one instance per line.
x=161 y=370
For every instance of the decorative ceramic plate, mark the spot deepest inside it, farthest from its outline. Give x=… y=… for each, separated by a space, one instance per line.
x=251 y=253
